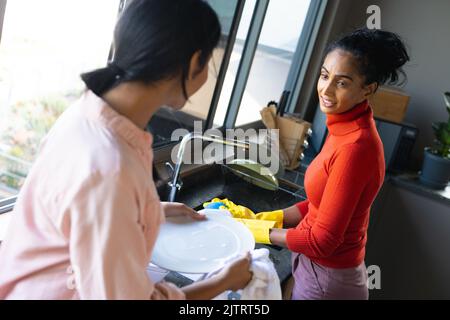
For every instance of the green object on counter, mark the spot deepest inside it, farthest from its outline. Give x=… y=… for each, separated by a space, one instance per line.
x=254 y=173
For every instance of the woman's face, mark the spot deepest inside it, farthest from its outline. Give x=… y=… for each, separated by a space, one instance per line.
x=196 y=79
x=340 y=86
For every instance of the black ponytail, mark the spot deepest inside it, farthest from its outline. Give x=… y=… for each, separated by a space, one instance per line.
x=101 y=80
x=155 y=40
x=380 y=54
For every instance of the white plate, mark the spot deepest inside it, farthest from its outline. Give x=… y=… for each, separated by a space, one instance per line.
x=185 y=245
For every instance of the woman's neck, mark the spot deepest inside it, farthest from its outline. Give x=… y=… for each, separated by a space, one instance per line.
x=138 y=102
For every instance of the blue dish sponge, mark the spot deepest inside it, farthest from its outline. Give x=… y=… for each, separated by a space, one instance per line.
x=215 y=205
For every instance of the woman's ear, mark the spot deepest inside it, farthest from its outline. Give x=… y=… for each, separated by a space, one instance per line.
x=195 y=66
x=370 y=90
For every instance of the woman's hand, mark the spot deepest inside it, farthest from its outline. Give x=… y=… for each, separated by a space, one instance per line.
x=234 y=276
x=237 y=274
x=173 y=209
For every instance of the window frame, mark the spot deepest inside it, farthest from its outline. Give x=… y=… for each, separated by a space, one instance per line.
x=2 y=15
x=304 y=51
x=245 y=65
x=162 y=153
x=297 y=71
x=225 y=63
x=7 y=204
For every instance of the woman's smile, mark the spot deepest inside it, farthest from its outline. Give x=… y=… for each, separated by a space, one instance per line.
x=327 y=103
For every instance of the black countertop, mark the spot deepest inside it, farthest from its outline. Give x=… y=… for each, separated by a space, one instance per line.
x=410 y=181
x=407 y=180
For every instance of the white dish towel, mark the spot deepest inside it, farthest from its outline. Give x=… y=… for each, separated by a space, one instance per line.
x=265 y=284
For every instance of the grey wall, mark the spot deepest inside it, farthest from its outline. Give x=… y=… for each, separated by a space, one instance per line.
x=425 y=27
x=408 y=238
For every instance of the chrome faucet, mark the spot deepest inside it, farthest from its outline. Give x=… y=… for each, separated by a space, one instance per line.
x=174 y=184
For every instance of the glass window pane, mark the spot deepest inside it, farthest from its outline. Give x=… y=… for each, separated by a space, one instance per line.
x=45 y=46
x=198 y=105
x=273 y=59
x=165 y=121
x=233 y=66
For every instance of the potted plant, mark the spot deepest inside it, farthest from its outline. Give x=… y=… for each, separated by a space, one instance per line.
x=436 y=165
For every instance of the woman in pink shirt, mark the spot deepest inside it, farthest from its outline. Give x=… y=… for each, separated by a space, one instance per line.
x=88 y=215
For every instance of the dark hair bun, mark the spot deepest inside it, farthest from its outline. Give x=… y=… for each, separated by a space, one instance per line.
x=381 y=54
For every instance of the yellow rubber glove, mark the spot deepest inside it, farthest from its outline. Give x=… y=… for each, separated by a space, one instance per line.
x=259 y=228
x=242 y=212
x=276 y=215
x=239 y=211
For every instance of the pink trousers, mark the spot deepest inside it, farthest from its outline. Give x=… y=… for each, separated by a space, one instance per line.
x=316 y=282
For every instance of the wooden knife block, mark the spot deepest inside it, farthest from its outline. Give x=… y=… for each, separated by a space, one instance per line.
x=292 y=133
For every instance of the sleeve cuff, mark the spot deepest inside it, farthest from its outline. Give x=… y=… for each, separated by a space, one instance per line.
x=303 y=207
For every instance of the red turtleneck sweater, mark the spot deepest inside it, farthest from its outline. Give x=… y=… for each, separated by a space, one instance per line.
x=341 y=184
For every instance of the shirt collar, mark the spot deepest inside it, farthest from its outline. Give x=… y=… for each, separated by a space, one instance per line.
x=99 y=110
x=360 y=116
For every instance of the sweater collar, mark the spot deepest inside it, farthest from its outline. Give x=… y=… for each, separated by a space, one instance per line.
x=360 y=116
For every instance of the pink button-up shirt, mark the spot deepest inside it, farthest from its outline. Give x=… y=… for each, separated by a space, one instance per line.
x=88 y=214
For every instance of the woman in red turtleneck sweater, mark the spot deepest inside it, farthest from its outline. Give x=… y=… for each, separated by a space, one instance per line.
x=327 y=233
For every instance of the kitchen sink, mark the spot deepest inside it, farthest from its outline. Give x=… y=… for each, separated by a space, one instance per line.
x=218 y=181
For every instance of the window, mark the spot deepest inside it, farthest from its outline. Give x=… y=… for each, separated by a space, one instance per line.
x=270 y=55
x=45 y=46
x=165 y=121
x=273 y=58
x=233 y=66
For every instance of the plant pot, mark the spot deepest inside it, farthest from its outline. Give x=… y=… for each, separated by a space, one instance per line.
x=435 y=170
